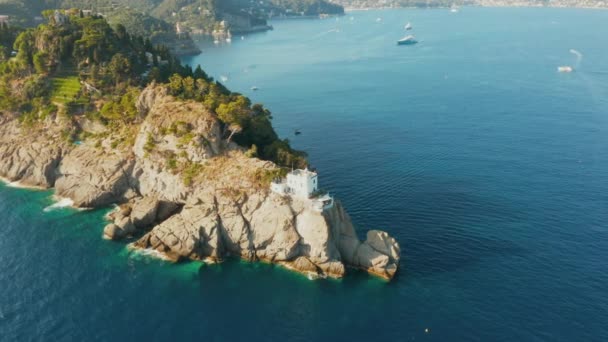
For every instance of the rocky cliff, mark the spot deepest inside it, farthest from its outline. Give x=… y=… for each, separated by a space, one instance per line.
x=184 y=191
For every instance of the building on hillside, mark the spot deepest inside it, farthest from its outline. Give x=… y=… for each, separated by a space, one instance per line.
x=298 y=183
x=304 y=185
x=4 y=19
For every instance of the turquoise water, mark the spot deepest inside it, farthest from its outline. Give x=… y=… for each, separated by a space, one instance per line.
x=470 y=148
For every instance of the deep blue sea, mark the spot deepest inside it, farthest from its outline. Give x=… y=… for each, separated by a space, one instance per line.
x=488 y=166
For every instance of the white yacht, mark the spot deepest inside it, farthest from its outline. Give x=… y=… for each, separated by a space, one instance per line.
x=407 y=40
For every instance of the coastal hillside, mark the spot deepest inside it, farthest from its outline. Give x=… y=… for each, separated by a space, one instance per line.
x=189 y=163
x=183 y=16
x=134 y=19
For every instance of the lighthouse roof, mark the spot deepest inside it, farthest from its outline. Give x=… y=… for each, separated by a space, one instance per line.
x=305 y=172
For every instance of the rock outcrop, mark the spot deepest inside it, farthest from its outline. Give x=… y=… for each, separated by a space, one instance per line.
x=26 y=159
x=223 y=211
x=92 y=178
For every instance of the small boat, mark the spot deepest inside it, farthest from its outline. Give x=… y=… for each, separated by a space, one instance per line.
x=454 y=9
x=407 y=40
x=378 y=20
x=228 y=40
x=408 y=26
x=216 y=42
x=254 y=88
x=565 y=68
x=297 y=132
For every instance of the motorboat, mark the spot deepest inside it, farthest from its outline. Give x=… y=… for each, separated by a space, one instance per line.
x=407 y=40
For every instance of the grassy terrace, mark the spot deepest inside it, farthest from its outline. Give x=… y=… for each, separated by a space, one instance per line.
x=65 y=89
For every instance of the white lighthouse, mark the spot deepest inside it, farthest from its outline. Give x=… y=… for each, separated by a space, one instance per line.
x=303 y=184
x=299 y=183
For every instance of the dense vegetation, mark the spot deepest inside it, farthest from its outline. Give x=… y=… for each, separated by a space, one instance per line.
x=133 y=17
x=79 y=66
x=306 y=7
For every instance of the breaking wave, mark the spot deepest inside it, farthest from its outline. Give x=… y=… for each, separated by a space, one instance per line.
x=62 y=203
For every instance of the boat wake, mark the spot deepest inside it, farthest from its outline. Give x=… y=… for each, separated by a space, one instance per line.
x=336 y=30
x=579 y=57
x=62 y=203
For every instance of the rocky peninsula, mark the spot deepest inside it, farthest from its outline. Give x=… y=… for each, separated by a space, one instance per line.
x=110 y=119
x=226 y=212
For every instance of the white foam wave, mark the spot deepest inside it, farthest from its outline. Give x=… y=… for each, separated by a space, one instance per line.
x=19 y=185
x=150 y=253
x=61 y=203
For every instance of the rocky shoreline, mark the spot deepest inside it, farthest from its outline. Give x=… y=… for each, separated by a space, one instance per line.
x=224 y=213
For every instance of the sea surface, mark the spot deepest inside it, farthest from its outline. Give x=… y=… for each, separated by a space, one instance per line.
x=488 y=166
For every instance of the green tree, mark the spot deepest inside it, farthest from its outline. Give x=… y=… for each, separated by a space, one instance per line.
x=24 y=45
x=235 y=112
x=120 y=67
x=155 y=75
x=189 y=87
x=41 y=62
x=199 y=73
x=176 y=85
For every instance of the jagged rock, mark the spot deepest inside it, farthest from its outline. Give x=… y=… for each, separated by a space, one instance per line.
x=195 y=120
x=165 y=210
x=153 y=180
x=92 y=126
x=303 y=264
x=383 y=243
x=113 y=232
x=273 y=232
x=193 y=233
x=343 y=232
x=126 y=225
x=318 y=243
x=235 y=228
x=31 y=162
x=334 y=269
x=144 y=212
x=91 y=180
x=379 y=254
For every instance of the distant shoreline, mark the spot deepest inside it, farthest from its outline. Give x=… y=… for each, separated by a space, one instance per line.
x=362 y=9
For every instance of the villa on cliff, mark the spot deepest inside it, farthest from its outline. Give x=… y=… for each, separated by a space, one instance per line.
x=304 y=185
